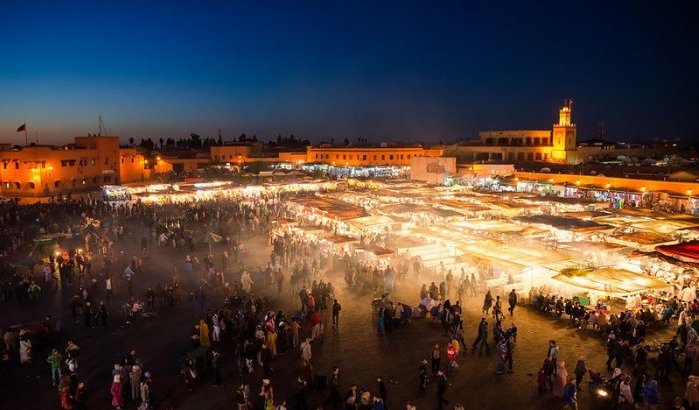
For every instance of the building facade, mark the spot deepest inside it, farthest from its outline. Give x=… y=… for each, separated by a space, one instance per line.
x=368 y=156
x=554 y=145
x=92 y=161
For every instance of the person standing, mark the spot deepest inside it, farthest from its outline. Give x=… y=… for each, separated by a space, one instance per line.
x=306 y=353
x=80 y=397
x=482 y=338
x=441 y=390
x=116 y=390
x=436 y=358
x=570 y=395
x=383 y=392
x=54 y=360
x=336 y=308
x=295 y=326
x=651 y=397
x=560 y=379
x=108 y=287
x=423 y=376
x=509 y=356
x=334 y=397
x=25 y=348
x=512 y=300
x=135 y=381
x=380 y=325
x=580 y=370
x=553 y=354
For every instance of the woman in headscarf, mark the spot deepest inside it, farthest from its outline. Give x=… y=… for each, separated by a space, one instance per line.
x=204 y=334
x=625 y=390
x=560 y=379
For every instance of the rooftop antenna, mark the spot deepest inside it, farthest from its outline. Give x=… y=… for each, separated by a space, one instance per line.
x=102 y=126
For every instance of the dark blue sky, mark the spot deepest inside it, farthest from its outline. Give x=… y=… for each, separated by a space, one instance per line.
x=381 y=70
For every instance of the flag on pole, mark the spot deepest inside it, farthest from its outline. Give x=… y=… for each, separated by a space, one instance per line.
x=22 y=127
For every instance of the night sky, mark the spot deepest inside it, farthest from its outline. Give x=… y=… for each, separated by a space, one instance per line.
x=380 y=70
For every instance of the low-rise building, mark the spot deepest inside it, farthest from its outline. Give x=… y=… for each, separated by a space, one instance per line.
x=554 y=145
x=358 y=156
x=88 y=163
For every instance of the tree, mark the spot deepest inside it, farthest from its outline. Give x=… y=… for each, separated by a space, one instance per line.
x=161 y=143
x=346 y=142
x=194 y=141
x=131 y=141
x=220 y=141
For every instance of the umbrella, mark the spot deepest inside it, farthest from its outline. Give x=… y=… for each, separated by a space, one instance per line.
x=212 y=238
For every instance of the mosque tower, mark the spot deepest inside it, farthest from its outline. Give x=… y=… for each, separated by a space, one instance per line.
x=564 y=135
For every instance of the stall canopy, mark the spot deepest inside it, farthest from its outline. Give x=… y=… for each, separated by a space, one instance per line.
x=665 y=226
x=610 y=281
x=369 y=222
x=686 y=252
x=645 y=241
x=562 y=222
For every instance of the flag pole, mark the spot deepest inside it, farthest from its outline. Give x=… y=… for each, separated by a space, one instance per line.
x=26 y=138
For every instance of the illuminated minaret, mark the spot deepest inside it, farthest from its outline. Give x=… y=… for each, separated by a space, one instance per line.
x=564 y=113
x=564 y=135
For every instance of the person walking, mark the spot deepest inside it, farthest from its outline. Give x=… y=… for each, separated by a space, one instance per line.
x=512 y=300
x=336 y=308
x=423 y=376
x=482 y=338
x=487 y=303
x=497 y=308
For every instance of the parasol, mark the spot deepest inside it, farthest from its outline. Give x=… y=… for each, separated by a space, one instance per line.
x=212 y=238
